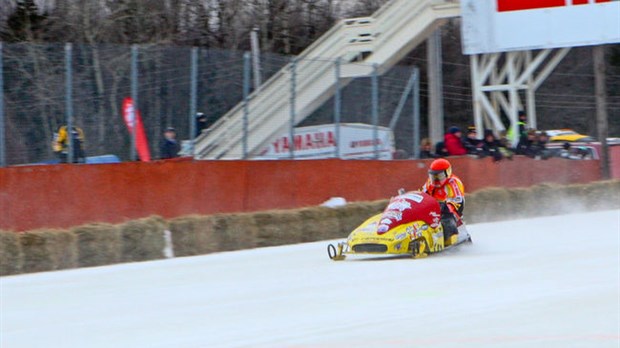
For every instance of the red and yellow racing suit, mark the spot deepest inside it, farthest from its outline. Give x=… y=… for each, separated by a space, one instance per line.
x=452 y=192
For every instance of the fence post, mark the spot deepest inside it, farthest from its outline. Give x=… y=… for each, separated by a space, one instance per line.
x=293 y=112
x=337 y=107
x=416 y=113
x=2 y=129
x=375 y=108
x=246 y=102
x=193 y=99
x=256 y=58
x=134 y=98
x=69 y=100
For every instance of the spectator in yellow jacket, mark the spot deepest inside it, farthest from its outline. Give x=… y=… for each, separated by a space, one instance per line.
x=60 y=144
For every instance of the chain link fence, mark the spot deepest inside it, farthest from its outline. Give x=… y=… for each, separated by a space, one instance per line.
x=170 y=85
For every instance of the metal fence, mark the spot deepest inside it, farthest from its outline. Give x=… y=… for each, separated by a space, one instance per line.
x=45 y=87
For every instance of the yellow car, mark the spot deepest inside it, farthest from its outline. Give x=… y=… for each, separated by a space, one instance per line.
x=567 y=135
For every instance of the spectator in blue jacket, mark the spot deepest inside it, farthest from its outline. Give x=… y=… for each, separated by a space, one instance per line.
x=169 y=146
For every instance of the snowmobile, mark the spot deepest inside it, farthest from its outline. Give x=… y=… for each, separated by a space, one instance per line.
x=410 y=225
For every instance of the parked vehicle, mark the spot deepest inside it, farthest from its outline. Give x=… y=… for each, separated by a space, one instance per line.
x=567 y=135
x=580 y=150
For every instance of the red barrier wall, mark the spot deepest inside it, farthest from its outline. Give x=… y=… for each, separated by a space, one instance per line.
x=614 y=160
x=69 y=195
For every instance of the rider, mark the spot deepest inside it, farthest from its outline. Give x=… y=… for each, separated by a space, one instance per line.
x=448 y=189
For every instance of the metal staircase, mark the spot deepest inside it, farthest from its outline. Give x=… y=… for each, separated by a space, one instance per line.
x=361 y=45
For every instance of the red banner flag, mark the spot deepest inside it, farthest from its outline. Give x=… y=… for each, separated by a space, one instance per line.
x=130 y=112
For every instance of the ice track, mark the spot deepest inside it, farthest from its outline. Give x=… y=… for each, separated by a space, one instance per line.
x=544 y=282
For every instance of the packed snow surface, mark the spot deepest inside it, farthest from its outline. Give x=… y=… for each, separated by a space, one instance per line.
x=543 y=282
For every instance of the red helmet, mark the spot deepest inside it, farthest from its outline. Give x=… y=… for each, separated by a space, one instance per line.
x=439 y=172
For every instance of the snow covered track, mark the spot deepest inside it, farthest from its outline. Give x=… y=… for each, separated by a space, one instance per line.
x=552 y=282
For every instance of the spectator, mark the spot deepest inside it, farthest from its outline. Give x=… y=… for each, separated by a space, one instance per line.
x=526 y=145
x=169 y=147
x=540 y=146
x=452 y=142
x=201 y=123
x=491 y=146
x=504 y=146
x=515 y=139
x=425 y=149
x=61 y=141
x=472 y=144
x=440 y=149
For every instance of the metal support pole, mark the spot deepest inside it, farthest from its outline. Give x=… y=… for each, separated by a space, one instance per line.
x=474 y=62
x=337 y=107
x=2 y=128
x=293 y=107
x=513 y=94
x=435 y=87
x=134 y=97
x=193 y=99
x=246 y=102
x=69 y=101
x=598 y=53
x=416 y=113
x=256 y=58
x=375 y=109
x=530 y=96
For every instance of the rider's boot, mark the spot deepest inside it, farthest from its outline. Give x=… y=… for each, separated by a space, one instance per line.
x=450 y=230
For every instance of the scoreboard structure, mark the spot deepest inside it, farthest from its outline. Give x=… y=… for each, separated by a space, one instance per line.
x=491 y=26
x=514 y=45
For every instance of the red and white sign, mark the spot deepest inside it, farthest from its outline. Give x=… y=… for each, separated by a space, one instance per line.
x=490 y=26
x=357 y=142
x=132 y=116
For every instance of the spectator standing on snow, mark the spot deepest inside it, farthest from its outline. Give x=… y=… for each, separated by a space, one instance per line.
x=169 y=146
x=453 y=143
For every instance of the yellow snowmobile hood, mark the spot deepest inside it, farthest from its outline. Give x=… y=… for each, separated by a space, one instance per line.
x=366 y=240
